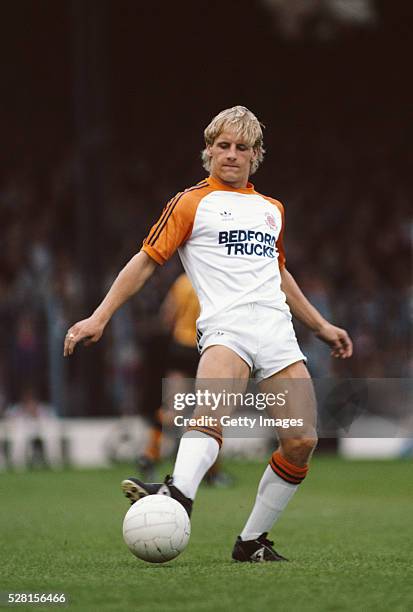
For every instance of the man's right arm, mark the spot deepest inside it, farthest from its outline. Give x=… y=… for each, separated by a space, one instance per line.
x=128 y=282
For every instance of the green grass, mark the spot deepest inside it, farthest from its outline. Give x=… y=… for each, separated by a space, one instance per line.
x=348 y=533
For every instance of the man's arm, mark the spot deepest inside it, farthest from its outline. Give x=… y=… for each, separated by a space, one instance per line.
x=129 y=280
x=337 y=338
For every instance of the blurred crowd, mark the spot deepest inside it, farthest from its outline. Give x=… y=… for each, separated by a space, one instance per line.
x=348 y=243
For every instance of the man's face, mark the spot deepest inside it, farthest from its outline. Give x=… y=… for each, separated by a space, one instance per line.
x=231 y=159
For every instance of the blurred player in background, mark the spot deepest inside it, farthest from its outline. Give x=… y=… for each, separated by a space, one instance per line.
x=179 y=312
x=230 y=240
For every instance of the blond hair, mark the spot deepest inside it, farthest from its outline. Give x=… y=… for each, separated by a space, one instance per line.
x=245 y=124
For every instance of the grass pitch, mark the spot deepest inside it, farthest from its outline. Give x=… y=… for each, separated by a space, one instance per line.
x=348 y=534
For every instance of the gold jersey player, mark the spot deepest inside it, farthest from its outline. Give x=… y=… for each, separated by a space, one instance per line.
x=230 y=240
x=179 y=312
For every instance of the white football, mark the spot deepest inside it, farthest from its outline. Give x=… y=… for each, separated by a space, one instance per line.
x=156 y=528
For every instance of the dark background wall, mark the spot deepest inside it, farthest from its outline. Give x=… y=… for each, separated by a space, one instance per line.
x=103 y=109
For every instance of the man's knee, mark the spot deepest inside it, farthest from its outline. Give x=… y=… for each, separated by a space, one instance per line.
x=298 y=450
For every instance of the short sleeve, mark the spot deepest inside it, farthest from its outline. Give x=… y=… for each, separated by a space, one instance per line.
x=173 y=227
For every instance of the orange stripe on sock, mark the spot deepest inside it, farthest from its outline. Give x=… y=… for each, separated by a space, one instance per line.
x=287 y=470
x=283 y=475
x=291 y=468
x=209 y=431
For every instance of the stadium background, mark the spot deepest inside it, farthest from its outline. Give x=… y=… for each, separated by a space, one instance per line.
x=102 y=111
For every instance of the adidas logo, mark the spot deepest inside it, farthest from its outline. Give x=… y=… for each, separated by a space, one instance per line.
x=226 y=215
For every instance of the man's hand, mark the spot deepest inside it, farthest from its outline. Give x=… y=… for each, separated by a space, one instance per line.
x=90 y=330
x=129 y=280
x=337 y=338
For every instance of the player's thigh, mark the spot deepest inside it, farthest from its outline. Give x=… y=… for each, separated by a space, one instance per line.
x=291 y=398
x=219 y=361
x=222 y=374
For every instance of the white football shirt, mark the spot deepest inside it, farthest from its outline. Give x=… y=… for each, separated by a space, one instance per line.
x=230 y=244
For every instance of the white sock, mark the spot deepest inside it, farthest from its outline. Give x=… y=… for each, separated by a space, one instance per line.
x=196 y=454
x=272 y=497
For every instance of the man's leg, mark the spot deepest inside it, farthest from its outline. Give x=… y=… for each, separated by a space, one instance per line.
x=199 y=447
x=288 y=466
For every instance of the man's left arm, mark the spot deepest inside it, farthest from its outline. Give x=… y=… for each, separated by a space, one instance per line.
x=337 y=338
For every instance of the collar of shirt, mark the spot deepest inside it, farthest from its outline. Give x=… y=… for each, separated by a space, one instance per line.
x=217 y=184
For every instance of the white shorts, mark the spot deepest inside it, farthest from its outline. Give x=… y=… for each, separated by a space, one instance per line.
x=263 y=337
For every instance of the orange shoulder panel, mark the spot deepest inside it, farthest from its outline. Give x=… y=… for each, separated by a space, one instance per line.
x=175 y=224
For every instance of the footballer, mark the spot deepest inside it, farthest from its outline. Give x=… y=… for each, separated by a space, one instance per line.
x=230 y=240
